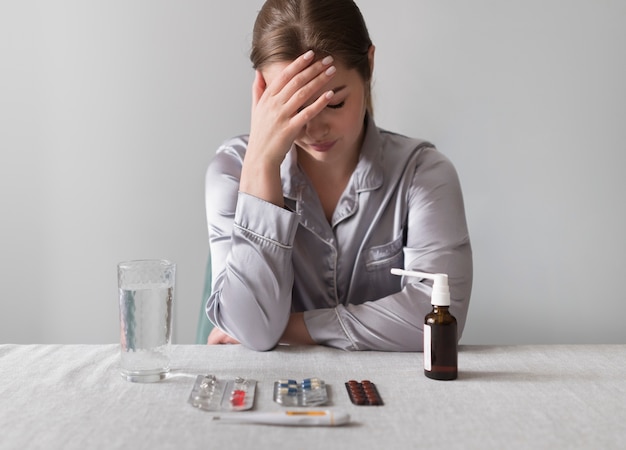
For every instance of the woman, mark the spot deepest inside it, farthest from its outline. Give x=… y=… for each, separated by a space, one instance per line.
x=309 y=212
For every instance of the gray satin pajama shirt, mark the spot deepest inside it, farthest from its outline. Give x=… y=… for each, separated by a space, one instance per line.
x=403 y=207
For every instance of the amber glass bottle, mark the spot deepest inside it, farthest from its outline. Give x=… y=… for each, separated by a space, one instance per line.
x=440 y=330
x=440 y=344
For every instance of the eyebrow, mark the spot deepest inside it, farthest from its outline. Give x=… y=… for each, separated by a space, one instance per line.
x=340 y=88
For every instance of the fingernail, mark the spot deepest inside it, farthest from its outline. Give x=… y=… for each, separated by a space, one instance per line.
x=331 y=70
x=329 y=94
x=308 y=55
x=326 y=61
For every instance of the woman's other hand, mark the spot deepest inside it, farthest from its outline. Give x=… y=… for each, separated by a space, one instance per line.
x=217 y=336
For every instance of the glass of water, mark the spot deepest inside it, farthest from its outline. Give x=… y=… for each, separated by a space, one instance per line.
x=146 y=293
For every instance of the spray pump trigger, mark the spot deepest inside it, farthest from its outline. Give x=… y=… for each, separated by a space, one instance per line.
x=441 y=290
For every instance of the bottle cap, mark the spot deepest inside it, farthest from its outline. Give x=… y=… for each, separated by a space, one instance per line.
x=441 y=290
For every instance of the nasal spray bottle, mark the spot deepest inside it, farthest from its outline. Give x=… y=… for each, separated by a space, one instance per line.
x=440 y=334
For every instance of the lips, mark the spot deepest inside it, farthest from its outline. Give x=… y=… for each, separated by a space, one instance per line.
x=322 y=146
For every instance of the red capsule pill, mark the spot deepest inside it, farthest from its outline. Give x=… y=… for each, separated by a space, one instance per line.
x=238 y=397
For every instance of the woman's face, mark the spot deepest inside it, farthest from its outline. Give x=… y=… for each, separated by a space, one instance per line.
x=336 y=133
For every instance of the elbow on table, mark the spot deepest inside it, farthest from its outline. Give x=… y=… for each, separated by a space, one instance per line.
x=254 y=331
x=261 y=336
x=261 y=345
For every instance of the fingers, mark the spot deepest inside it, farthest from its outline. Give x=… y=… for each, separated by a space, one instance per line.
x=308 y=82
x=306 y=114
x=297 y=66
x=300 y=80
x=217 y=336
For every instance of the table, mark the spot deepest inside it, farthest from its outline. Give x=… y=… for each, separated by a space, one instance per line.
x=72 y=397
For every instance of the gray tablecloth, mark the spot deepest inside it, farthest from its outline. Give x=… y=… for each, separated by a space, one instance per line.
x=71 y=396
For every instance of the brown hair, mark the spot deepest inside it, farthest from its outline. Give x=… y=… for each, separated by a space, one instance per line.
x=285 y=29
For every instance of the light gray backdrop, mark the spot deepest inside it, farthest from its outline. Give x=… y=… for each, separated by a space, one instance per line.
x=111 y=110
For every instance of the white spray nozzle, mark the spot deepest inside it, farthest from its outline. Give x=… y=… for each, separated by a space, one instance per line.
x=441 y=291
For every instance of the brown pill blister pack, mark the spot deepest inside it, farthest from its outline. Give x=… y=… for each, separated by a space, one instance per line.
x=364 y=393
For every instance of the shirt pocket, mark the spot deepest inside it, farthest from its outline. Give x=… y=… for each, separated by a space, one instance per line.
x=385 y=256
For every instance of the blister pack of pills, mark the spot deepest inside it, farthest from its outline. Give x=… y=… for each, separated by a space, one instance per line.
x=210 y=394
x=364 y=393
x=308 y=392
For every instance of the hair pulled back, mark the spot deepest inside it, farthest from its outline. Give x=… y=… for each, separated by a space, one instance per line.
x=285 y=29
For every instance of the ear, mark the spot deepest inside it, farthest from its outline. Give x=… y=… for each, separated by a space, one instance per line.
x=370 y=57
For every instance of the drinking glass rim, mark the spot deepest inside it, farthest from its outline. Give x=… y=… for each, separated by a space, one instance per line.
x=132 y=263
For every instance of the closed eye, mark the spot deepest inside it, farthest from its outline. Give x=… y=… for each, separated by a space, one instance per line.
x=337 y=106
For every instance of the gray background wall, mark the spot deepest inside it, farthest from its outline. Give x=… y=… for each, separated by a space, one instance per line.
x=111 y=110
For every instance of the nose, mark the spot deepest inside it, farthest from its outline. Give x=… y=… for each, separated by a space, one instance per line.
x=317 y=128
